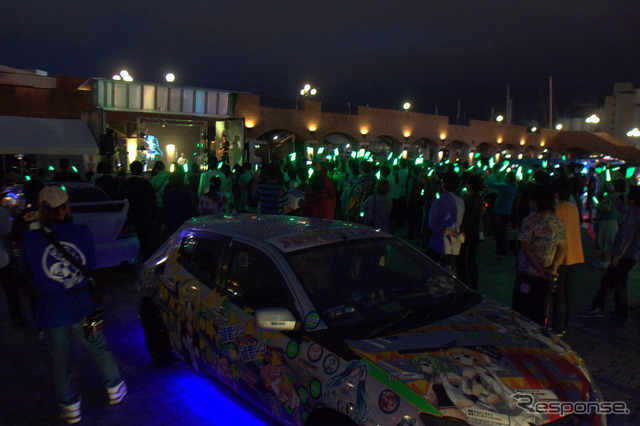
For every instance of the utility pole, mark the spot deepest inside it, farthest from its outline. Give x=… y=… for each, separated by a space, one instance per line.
x=508 y=111
x=550 y=103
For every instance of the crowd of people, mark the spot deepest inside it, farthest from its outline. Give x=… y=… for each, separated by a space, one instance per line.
x=445 y=209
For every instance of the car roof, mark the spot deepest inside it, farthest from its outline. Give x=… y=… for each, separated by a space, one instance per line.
x=286 y=233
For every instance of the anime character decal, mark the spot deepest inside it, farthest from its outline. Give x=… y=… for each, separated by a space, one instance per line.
x=465 y=384
x=189 y=293
x=347 y=393
x=480 y=383
x=440 y=392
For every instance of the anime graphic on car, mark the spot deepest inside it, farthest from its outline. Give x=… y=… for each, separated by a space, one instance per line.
x=189 y=293
x=435 y=370
x=347 y=393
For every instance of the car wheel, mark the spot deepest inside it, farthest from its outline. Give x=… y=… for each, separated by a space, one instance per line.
x=327 y=416
x=155 y=334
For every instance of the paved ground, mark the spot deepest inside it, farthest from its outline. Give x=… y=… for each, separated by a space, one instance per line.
x=175 y=394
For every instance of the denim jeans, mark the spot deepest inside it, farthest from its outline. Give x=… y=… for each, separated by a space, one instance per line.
x=58 y=345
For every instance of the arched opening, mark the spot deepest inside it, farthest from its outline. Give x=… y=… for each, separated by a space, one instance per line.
x=283 y=142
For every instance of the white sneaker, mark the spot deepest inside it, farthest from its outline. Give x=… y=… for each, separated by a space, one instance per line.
x=71 y=413
x=117 y=393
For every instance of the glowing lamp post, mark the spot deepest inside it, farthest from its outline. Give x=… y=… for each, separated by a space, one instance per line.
x=305 y=92
x=592 y=120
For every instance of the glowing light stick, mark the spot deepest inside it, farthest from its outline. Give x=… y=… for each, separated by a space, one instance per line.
x=320 y=150
x=389 y=156
x=419 y=160
x=608 y=175
x=631 y=171
x=504 y=166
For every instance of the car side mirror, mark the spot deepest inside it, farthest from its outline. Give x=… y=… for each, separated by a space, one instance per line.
x=275 y=319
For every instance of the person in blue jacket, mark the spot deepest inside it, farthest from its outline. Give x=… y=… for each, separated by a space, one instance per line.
x=64 y=301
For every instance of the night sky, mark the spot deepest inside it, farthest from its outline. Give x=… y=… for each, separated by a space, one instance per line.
x=380 y=53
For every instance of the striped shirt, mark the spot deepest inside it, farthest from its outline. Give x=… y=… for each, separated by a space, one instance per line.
x=273 y=197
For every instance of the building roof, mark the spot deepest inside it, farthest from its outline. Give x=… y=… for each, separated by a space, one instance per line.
x=29 y=135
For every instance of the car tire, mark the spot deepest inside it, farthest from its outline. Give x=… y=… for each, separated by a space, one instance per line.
x=327 y=416
x=155 y=334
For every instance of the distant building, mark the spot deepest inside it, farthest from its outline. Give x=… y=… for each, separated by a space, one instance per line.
x=622 y=113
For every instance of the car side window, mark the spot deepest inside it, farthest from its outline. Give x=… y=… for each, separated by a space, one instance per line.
x=255 y=280
x=201 y=256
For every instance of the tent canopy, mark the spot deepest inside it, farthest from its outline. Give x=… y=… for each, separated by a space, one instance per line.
x=28 y=135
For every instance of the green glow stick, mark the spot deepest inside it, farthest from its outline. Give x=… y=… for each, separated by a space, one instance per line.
x=419 y=160
x=320 y=150
x=630 y=172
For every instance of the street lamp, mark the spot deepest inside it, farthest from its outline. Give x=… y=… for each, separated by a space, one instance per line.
x=499 y=119
x=635 y=133
x=305 y=92
x=125 y=75
x=559 y=126
x=593 y=119
x=406 y=106
x=170 y=77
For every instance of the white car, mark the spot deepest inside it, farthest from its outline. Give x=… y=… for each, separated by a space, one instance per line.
x=327 y=322
x=116 y=241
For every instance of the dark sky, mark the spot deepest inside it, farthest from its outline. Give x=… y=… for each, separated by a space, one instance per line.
x=381 y=53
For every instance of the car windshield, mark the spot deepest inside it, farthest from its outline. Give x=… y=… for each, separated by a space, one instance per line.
x=377 y=286
x=88 y=194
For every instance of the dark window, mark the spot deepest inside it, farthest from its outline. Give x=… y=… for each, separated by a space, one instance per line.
x=255 y=280
x=201 y=256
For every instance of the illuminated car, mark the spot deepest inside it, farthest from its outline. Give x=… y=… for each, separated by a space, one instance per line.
x=325 y=322
x=115 y=240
